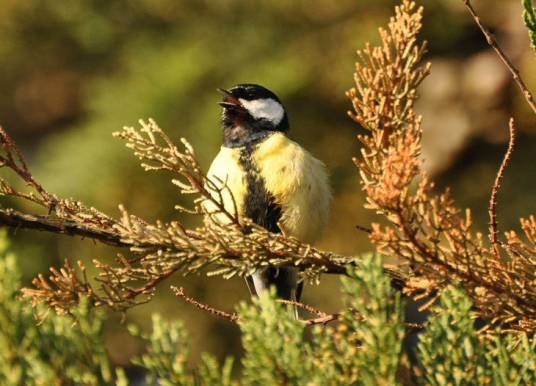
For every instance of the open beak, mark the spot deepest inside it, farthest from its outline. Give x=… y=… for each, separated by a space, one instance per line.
x=230 y=101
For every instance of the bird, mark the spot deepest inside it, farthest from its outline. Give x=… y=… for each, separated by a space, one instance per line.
x=269 y=178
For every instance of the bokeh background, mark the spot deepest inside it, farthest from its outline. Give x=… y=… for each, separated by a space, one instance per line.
x=73 y=72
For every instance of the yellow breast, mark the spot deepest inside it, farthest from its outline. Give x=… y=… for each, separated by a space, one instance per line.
x=297 y=181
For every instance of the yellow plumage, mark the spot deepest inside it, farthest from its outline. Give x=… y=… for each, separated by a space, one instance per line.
x=297 y=181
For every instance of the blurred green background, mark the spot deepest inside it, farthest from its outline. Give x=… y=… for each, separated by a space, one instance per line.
x=71 y=73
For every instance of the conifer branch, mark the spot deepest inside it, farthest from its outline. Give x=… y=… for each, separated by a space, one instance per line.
x=15 y=219
x=426 y=228
x=310 y=309
x=158 y=250
x=321 y=318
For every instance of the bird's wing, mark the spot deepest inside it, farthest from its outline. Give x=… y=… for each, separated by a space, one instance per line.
x=299 y=183
x=226 y=173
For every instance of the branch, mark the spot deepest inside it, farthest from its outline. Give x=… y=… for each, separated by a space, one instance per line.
x=14 y=160
x=323 y=317
x=17 y=220
x=328 y=318
x=426 y=228
x=303 y=306
x=14 y=219
x=159 y=250
x=233 y=317
x=507 y=62
x=493 y=231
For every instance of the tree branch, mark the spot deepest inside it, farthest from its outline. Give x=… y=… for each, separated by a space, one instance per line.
x=161 y=249
x=14 y=219
x=425 y=227
x=322 y=317
x=17 y=220
x=507 y=62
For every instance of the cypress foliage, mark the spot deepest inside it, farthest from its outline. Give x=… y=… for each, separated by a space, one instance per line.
x=453 y=354
x=529 y=16
x=364 y=348
x=61 y=350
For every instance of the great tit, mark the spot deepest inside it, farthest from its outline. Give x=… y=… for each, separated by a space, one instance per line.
x=273 y=180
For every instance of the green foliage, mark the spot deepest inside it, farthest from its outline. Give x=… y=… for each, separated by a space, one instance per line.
x=513 y=360
x=380 y=329
x=450 y=350
x=62 y=350
x=167 y=356
x=453 y=354
x=529 y=16
x=365 y=348
x=275 y=351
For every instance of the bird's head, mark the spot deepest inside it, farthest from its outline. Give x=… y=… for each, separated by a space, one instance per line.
x=251 y=113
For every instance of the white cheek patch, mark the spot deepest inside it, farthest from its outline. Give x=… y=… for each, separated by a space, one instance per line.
x=264 y=108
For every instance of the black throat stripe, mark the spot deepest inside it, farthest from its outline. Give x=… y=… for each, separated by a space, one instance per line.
x=259 y=204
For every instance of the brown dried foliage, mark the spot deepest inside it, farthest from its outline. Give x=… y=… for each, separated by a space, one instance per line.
x=158 y=250
x=427 y=229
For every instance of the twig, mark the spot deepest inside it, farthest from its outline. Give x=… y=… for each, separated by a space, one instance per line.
x=493 y=231
x=304 y=306
x=363 y=229
x=205 y=307
x=15 y=161
x=151 y=285
x=323 y=317
x=493 y=43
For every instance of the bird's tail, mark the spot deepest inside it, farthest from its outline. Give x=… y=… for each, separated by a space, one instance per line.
x=285 y=281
